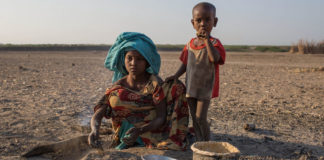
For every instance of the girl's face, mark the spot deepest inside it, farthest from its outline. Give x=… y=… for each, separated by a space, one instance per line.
x=135 y=63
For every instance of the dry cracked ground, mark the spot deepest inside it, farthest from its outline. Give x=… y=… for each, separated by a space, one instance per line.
x=47 y=97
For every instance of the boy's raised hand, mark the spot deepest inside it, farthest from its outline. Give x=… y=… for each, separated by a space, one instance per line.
x=203 y=34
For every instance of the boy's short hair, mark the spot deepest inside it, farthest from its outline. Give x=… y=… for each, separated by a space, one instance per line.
x=205 y=5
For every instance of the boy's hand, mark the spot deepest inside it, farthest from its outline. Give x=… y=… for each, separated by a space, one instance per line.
x=171 y=78
x=202 y=34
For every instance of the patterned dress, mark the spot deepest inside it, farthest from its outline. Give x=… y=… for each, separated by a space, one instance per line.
x=138 y=108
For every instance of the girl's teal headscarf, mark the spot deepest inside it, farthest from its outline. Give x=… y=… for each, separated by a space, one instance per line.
x=127 y=41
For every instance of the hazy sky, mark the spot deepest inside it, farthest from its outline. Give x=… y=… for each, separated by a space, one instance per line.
x=263 y=22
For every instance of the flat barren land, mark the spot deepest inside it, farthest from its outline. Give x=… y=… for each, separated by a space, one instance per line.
x=47 y=97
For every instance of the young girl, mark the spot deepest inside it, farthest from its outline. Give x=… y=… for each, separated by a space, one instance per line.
x=200 y=60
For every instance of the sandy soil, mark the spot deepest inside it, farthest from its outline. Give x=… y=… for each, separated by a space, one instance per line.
x=47 y=97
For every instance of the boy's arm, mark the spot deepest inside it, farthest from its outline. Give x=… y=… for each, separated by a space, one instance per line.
x=179 y=73
x=213 y=53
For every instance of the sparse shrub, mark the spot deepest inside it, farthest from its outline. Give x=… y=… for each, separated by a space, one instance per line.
x=307 y=47
x=293 y=48
x=76 y=47
x=237 y=48
x=272 y=48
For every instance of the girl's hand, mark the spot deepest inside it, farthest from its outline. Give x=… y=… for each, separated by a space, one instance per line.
x=93 y=139
x=132 y=135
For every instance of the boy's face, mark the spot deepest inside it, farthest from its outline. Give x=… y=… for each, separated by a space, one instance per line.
x=203 y=20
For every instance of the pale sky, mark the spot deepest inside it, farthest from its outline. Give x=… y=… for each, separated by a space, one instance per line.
x=241 y=22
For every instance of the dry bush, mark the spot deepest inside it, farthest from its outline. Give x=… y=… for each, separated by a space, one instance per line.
x=293 y=48
x=320 y=46
x=307 y=47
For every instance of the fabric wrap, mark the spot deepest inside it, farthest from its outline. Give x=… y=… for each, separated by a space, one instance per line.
x=126 y=41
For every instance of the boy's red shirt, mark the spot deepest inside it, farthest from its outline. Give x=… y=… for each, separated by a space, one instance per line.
x=218 y=45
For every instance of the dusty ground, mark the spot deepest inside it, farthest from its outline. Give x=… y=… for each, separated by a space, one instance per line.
x=47 y=97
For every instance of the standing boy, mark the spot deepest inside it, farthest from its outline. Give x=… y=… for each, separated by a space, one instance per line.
x=201 y=58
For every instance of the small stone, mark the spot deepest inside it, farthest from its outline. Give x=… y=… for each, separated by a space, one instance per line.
x=303 y=157
x=42 y=112
x=267 y=139
x=299 y=151
x=249 y=127
x=64 y=118
x=22 y=68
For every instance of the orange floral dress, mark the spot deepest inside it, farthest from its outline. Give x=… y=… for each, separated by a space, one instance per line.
x=138 y=108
